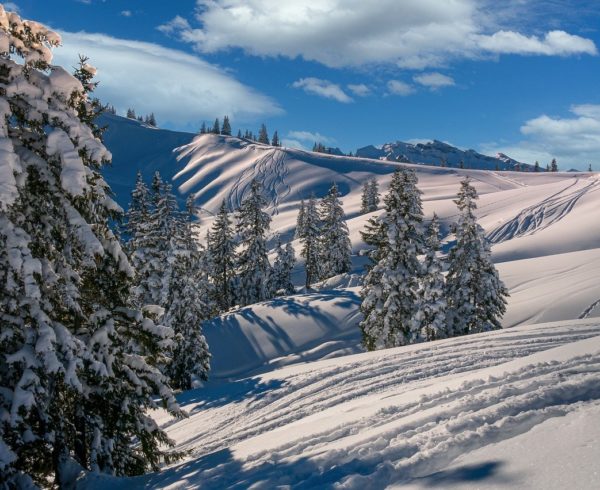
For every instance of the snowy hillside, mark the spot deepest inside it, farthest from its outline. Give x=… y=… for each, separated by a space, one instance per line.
x=402 y=416
x=440 y=154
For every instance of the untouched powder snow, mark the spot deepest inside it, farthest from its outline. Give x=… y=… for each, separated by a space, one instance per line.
x=391 y=417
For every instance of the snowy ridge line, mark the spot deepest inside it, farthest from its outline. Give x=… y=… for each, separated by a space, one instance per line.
x=543 y=214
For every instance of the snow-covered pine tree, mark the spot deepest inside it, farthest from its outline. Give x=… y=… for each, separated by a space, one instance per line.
x=432 y=314
x=553 y=165
x=131 y=114
x=137 y=217
x=263 y=136
x=476 y=296
x=72 y=383
x=187 y=306
x=335 y=248
x=300 y=220
x=311 y=229
x=275 y=141
x=390 y=295
x=239 y=134
x=151 y=120
x=203 y=128
x=216 y=129
x=370 y=196
x=254 y=269
x=226 y=128
x=282 y=269
x=221 y=248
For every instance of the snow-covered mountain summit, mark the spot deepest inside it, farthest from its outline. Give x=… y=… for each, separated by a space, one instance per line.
x=441 y=154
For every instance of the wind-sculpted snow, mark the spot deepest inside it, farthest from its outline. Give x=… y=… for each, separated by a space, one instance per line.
x=382 y=418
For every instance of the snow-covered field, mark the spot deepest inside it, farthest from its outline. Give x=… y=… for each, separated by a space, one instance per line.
x=293 y=401
x=401 y=416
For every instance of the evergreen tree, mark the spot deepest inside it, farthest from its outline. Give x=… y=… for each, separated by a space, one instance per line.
x=140 y=119
x=432 y=314
x=553 y=165
x=187 y=306
x=131 y=114
x=221 y=247
x=254 y=269
x=73 y=384
x=475 y=293
x=275 y=141
x=239 y=134
x=370 y=196
x=203 y=128
x=216 y=129
x=390 y=295
x=311 y=229
x=536 y=167
x=151 y=120
x=282 y=269
x=335 y=246
x=300 y=220
x=263 y=136
x=226 y=128
x=590 y=168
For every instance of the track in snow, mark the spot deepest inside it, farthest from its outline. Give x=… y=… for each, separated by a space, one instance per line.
x=271 y=171
x=384 y=417
x=543 y=214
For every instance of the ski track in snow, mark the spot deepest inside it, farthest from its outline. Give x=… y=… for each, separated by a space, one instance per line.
x=269 y=434
x=271 y=171
x=543 y=214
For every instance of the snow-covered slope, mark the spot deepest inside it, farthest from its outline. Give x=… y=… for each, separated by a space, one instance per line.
x=439 y=153
x=398 y=416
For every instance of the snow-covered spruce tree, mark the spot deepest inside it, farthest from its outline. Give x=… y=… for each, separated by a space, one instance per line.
x=310 y=237
x=131 y=114
x=476 y=296
x=137 y=217
x=216 y=129
x=263 y=136
x=335 y=247
x=226 y=128
x=370 y=196
x=281 y=278
x=390 y=295
x=203 y=128
x=299 y=233
x=72 y=385
x=254 y=269
x=432 y=314
x=187 y=306
x=221 y=248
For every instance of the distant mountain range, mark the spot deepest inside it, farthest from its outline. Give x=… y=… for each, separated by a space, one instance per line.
x=440 y=154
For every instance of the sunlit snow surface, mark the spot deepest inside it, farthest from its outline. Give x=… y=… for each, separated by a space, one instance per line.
x=292 y=401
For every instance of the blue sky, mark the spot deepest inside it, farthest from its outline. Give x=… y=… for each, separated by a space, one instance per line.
x=522 y=78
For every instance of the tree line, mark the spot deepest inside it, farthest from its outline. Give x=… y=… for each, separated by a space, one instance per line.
x=225 y=130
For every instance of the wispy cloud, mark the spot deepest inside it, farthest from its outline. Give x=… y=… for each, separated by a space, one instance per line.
x=397 y=87
x=323 y=88
x=433 y=81
x=360 y=90
x=181 y=89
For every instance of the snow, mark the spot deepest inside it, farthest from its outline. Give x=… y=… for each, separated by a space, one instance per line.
x=388 y=417
x=293 y=401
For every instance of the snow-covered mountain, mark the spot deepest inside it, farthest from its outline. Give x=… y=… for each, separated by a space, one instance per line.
x=440 y=154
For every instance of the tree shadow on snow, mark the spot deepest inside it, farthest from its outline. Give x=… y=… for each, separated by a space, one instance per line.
x=466 y=474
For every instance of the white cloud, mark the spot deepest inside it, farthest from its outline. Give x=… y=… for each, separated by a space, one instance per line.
x=396 y=87
x=179 y=88
x=310 y=137
x=126 y=13
x=322 y=88
x=340 y=33
x=360 y=89
x=292 y=143
x=11 y=7
x=574 y=141
x=433 y=80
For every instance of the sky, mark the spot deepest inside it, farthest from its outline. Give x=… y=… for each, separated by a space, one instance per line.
x=520 y=77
